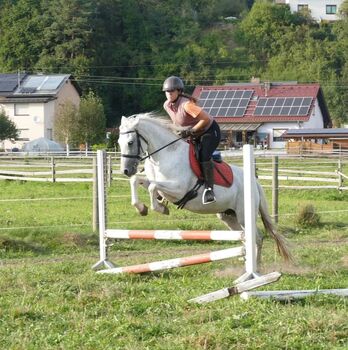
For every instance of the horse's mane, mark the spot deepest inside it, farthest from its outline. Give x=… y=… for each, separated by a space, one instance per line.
x=159 y=119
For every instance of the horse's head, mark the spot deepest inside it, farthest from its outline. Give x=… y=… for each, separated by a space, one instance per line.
x=132 y=145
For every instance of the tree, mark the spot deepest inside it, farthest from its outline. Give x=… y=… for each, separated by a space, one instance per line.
x=8 y=129
x=21 y=28
x=66 y=37
x=91 y=120
x=66 y=124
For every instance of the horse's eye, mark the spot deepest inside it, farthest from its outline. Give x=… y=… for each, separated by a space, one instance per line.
x=130 y=143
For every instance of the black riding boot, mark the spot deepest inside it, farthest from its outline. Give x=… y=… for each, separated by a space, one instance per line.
x=208 y=175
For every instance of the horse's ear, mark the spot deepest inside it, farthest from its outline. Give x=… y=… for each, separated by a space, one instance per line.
x=123 y=119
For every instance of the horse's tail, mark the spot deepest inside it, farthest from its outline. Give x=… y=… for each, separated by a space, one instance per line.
x=280 y=240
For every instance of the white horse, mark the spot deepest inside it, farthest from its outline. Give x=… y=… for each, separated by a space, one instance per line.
x=168 y=174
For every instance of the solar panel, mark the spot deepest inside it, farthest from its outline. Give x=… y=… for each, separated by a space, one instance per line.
x=52 y=82
x=276 y=106
x=225 y=103
x=33 y=81
x=8 y=82
x=43 y=82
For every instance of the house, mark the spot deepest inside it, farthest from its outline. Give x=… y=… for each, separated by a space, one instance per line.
x=319 y=9
x=260 y=113
x=31 y=102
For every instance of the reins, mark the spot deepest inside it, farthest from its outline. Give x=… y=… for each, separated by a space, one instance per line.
x=139 y=136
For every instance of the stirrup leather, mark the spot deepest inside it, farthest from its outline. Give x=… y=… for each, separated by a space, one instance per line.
x=208 y=196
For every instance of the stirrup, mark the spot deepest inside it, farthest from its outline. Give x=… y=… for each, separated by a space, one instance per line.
x=208 y=196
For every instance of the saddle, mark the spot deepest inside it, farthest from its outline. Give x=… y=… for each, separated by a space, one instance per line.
x=223 y=175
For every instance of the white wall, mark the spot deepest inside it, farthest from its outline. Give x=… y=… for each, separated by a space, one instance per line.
x=32 y=123
x=315 y=121
x=317 y=8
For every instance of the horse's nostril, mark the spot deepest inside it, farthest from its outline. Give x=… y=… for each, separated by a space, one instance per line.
x=125 y=171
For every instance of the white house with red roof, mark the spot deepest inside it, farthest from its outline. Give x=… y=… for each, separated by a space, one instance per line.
x=260 y=113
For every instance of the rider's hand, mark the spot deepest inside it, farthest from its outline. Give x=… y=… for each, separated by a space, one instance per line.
x=186 y=133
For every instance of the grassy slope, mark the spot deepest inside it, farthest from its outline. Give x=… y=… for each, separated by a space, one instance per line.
x=50 y=298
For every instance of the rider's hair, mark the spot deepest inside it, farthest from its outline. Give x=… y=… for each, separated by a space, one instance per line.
x=191 y=98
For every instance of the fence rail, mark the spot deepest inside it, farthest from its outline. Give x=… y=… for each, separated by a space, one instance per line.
x=325 y=173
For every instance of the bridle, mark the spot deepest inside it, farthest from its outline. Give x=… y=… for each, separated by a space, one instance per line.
x=140 y=149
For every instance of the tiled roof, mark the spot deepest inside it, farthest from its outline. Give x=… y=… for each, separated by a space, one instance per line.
x=267 y=91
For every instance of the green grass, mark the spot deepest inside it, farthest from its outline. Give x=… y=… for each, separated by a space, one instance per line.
x=51 y=299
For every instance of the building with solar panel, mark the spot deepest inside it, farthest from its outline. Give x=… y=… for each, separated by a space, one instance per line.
x=31 y=101
x=259 y=113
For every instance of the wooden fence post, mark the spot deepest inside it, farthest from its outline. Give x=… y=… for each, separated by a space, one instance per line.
x=275 y=188
x=95 y=196
x=53 y=167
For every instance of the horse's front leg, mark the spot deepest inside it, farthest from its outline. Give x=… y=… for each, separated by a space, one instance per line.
x=135 y=181
x=154 y=198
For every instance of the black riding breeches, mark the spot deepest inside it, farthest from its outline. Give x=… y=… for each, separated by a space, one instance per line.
x=208 y=142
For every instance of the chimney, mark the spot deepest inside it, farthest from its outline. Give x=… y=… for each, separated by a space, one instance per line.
x=254 y=80
x=267 y=87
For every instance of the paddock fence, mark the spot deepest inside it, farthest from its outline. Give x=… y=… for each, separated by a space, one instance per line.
x=291 y=171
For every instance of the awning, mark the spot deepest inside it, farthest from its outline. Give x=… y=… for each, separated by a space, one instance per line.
x=239 y=127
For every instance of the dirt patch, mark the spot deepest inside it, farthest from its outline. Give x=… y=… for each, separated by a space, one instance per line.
x=288 y=268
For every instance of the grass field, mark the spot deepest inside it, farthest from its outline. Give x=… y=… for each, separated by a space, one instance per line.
x=51 y=299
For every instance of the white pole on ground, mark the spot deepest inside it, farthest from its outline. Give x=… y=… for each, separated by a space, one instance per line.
x=249 y=215
x=101 y=211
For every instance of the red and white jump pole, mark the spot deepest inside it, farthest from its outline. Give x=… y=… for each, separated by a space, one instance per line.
x=179 y=262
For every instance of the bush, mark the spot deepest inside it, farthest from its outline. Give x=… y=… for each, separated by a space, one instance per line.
x=99 y=146
x=307 y=216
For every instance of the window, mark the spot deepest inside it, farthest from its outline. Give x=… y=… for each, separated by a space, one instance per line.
x=302 y=7
x=23 y=135
x=331 y=9
x=277 y=135
x=21 y=109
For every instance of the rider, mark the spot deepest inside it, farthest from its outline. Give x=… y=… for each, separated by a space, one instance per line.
x=184 y=111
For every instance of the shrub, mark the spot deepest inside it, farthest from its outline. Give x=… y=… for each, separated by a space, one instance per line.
x=99 y=146
x=307 y=216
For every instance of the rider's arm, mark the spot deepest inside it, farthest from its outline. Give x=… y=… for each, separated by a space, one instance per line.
x=198 y=113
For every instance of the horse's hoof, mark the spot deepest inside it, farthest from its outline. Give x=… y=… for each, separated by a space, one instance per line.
x=144 y=211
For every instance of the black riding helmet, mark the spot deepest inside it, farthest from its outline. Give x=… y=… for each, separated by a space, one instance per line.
x=173 y=83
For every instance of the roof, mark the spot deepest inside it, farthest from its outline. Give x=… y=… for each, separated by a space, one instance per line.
x=316 y=133
x=261 y=103
x=14 y=87
x=9 y=83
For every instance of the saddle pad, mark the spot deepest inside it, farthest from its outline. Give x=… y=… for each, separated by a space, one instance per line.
x=223 y=175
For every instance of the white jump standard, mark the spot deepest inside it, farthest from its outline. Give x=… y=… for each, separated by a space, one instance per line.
x=249 y=250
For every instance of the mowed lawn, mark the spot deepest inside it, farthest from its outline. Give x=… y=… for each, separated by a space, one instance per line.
x=50 y=298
